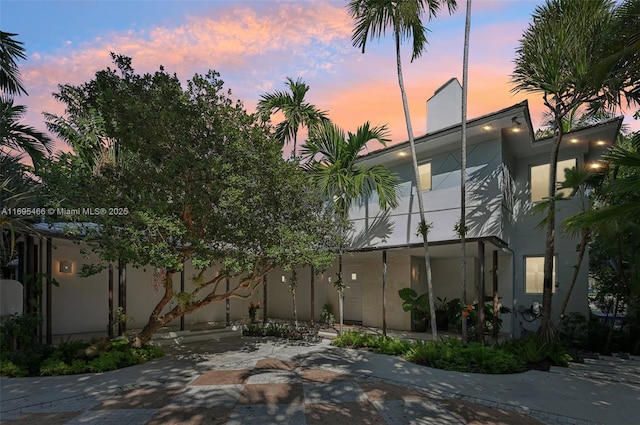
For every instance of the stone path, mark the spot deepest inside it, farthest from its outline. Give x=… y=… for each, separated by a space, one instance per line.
x=271 y=383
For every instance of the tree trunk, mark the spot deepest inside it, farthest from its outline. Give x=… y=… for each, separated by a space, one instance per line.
x=582 y=249
x=313 y=296
x=546 y=332
x=463 y=170
x=423 y=229
x=384 y=292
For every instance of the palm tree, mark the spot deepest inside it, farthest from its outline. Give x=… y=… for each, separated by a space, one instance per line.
x=13 y=135
x=297 y=113
x=403 y=19
x=20 y=137
x=334 y=169
x=10 y=51
x=561 y=55
x=463 y=179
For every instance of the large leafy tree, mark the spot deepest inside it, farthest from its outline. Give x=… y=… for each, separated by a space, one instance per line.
x=572 y=54
x=403 y=18
x=296 y=110
x=204 y=182
x=333 y=166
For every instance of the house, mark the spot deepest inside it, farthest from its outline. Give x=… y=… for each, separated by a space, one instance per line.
x=507 y=171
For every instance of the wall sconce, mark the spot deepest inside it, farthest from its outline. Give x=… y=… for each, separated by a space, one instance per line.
x=515 y=125
x=354 y=276
x=66 y=267
x=284 y=279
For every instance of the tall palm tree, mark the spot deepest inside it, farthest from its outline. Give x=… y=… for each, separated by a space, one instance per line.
x=404 y=19
x=297 y=112
x=463 y=178
x=13 y=135
x=20 y=137
x=10 y=51
x=333 y=167
x=564 y=54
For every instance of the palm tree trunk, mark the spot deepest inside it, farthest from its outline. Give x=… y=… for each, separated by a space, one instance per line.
x=581 y=251
x=463 y=170
x=423 y=225
x=546 y=332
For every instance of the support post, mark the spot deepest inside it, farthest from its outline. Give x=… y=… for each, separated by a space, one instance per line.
x=29 y=276
x=40 y=288
x=182 y=291
x=481 y=284
x=122 y=297
x=313 y=295
x=384 y=292
x=49 y=291
x=496 y=311
x=264 y=299
x=227 y=304
x=110 y=319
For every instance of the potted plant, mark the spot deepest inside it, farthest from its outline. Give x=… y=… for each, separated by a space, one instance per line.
x=253 y=309
x=443 y=314
x=418 y=305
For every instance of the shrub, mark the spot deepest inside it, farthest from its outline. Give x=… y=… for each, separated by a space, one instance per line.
x=8 y=368
x=326 y=317
x=20 y=332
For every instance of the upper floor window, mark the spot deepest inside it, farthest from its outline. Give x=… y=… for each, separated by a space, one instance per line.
x=425 y=175
x=540 y=179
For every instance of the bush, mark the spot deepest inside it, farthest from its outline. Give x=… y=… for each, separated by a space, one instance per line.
x=8 y=368
x=65 y=359
x=537 y=354
x=326 y=317
x=20 y=332
x=280 y=330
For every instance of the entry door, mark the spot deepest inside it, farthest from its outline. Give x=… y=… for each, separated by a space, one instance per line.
x=353 y=296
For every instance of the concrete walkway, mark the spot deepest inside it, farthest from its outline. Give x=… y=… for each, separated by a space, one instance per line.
x=263 y=381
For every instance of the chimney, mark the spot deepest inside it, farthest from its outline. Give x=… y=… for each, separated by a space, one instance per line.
x=444 y=108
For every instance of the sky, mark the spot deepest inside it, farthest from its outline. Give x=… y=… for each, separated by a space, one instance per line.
x=255 y=45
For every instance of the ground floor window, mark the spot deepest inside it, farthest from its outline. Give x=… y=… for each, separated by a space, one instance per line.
x=534 y=274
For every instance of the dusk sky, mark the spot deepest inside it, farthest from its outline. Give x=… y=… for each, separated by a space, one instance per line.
x=255 y=45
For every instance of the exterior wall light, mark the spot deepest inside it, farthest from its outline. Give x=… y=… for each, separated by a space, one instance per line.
x=65 y=267
x=284 y=279
x=354 y=276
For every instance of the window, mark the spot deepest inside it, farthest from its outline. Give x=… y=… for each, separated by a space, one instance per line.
x=425 y=175
x=540 y=179
x=534 y=275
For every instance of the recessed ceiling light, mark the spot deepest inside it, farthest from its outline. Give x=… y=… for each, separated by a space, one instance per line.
x=402 y=153
x=574 y=140
x=601 y=143
x=595 y=165
x=487 y=127
x=516 y=129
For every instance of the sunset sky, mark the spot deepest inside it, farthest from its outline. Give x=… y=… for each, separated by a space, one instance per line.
x=255 y=45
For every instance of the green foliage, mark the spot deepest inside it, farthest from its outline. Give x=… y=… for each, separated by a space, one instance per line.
x=417 y=304
x=201 y=181
x=10 y=369
x=538 y=354
x=451 y=354
x=19 y=332
x=326 y=317
x=278 y=330
x=65 y=359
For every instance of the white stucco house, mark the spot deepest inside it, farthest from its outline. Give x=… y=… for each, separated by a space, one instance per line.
x=507 y=171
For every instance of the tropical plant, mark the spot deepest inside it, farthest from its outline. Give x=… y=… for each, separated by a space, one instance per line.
x=404 y=19
x=564 y=54
x=333 y=166
x=11 y=50
x=418 y=305
x=297 y=112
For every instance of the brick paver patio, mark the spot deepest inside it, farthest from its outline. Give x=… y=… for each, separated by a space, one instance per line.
x=273 y=392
